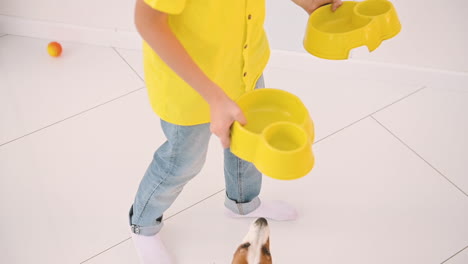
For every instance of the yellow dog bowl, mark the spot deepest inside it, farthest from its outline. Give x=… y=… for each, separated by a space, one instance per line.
x=278 y=136
x=331 y=35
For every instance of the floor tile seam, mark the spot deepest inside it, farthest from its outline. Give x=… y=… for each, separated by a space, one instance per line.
x=105 y=250
x=72 y=116
x=371 y=114
x=169 y=217
x=454 y=255
x=134 y=70
x=419 y=155
x=199 y=202
x=187 y=208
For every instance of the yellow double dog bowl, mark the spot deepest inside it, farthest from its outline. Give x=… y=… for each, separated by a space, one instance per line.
x=278 y=136
x=331 y=35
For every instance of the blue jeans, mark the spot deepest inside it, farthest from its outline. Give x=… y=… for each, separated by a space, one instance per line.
x=175 y=163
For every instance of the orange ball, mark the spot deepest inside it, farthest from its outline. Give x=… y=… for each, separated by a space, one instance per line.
x=54 y=49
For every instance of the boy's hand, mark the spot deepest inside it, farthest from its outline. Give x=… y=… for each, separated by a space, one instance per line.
x=154 y=27
x=311 y=5
x=223 y=113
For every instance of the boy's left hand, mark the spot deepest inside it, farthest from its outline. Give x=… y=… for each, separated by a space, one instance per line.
x=311 y=5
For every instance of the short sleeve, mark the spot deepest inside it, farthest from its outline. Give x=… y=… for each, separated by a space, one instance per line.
x=172 y=7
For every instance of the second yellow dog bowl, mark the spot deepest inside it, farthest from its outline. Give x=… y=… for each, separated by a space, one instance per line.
x=278 y=136
x=331 y=35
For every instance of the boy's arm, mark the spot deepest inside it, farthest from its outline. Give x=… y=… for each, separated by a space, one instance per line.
x=311 y=5
x=154 y=29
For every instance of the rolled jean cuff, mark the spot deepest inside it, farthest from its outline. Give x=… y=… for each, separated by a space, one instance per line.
x=242 y=208
x=144 y=230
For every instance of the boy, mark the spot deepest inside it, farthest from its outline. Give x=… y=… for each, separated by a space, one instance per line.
x=199 y=56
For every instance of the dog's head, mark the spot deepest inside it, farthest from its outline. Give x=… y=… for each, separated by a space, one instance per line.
x=255 y=248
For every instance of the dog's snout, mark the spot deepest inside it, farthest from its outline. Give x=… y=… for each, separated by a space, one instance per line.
x=255 y=247
x=261 y=222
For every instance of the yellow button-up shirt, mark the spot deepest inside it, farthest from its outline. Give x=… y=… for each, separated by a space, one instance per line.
x=226 y=40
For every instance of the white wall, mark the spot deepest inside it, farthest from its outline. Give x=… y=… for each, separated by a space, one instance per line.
x=108 y=14
x=434 y=32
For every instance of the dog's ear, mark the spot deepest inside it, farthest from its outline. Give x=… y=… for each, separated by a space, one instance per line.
x=240 y=256
x=266 y=255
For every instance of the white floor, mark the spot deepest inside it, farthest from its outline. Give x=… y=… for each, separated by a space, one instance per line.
x=390 y=183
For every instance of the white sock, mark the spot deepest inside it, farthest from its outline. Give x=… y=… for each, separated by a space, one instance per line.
x=151 y=249
x=274 y=210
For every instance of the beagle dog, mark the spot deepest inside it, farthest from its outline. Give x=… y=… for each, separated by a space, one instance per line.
x=255 y=248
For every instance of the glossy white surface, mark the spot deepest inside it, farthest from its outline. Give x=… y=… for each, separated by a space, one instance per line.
x=356 y=207
x=375 y=195
x=135 y=60
x=460 y=258
x=39 y=90
x=434 y=124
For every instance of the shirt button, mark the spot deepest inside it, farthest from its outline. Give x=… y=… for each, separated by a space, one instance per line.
x=245 y=46
x=245 y=74
x=249 y=17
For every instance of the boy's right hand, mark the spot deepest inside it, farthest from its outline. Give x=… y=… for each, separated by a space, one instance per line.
x=224 y=112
